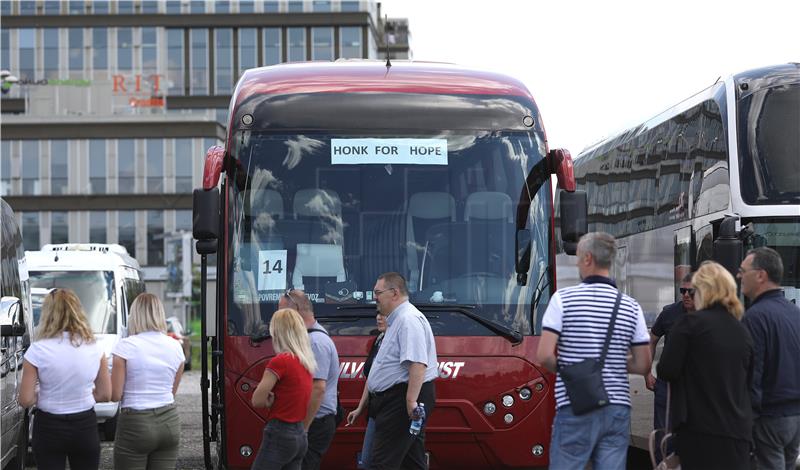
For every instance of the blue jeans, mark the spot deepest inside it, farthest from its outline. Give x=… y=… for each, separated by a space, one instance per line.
x=283 y=446
x=601 y=436
x=363 y=458
x=777 y=439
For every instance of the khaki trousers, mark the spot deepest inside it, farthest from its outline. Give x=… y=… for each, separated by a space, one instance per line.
x=147 y=439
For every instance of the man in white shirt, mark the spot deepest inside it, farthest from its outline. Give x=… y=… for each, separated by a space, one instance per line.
x=401 y=377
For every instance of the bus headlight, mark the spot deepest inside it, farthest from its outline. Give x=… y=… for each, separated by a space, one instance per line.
x=525 y=394
x=538 y=450
x=508 y=401
x=246 y=451
x=489 y=408
x=508 y=418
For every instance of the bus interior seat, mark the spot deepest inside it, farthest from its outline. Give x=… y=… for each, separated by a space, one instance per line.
x=489 y=232
x=424 y=210
x=319 y=261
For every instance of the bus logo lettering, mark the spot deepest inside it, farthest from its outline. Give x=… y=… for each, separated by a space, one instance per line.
x=355 y=369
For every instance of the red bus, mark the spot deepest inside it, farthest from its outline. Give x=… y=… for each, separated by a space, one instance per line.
x=334 y=173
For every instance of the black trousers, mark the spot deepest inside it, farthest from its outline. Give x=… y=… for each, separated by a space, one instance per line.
x=699 y=451
x=57 y=438
x=393 y=447
x=320 y=436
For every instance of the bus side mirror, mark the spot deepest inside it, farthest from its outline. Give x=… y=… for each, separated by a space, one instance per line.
x=522 y=245
x=205 y=220
x=574 y=215
x=728 y=247
x=560 y=162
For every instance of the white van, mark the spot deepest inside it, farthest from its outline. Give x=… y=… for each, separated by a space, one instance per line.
x=106 y=279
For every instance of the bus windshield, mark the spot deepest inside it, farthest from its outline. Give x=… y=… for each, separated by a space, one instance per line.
x=769 y=147
x=784 y=237
x=95 y=289
x=327 y=214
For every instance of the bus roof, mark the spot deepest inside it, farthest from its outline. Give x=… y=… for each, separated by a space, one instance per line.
x=355 y=76
x=84 y=256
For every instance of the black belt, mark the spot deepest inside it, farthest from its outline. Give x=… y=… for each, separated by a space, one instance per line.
x=391 y=389
x=66 y=417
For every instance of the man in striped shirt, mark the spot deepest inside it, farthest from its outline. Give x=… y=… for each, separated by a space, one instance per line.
x=573 y=329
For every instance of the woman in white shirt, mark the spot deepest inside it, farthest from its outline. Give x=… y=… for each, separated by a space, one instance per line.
x=147 y=368
x=72 y=372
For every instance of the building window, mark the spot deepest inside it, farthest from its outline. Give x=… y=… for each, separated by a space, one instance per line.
x=175 y=61
x=126 y=231
x=5 y=49
x=183 y=221
x=59 y=227
x=199 y=62
x=321 y=6
x=272 y=46
x=30 y=231
x=295 y=6
x=322 y=39
x=222 y=6
x=248 y=49
x=350 y=6
x=50 y=52
x=99 y=48
x=76 y=7
x=30 y=167
x=271 y=6
x=197 y=6
x=59 y=172
x=52 y=7
x=183 y=165
x=76 y=49
x=246 y=6
x=27 y=53
x=173 y=7
x=125 y=7
x=97 y=227
x=149 y=51
x=27 y=7
x=126 y=166
x=155 y=166
x=5 y=168
x=97 y=166
x=297 y=44
x=149 y=6
x=223 y=69
x=100 y=7
x=350 y=46
x=155 y=238
x=124 y=49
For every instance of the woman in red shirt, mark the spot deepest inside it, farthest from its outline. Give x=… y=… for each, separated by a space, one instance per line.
x=285 y=388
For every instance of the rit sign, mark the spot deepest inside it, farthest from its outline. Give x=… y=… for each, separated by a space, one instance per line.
x=134 y=83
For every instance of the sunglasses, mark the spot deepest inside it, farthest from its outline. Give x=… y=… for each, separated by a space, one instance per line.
x=685 y=290
x=288 y=295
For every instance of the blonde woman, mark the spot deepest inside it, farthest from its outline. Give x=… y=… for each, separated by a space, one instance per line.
x=146 y=372
x=285 y=388
x=707 y=361
x=72 y=372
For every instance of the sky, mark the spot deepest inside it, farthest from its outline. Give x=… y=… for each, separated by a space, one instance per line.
x=596 y=68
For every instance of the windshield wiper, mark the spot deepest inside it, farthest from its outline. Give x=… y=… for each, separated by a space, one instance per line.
x=540 y=288
x=514 y=336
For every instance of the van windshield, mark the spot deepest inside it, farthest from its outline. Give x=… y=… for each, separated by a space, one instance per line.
x=95 y=289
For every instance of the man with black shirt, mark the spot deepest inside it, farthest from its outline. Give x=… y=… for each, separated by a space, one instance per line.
x=774 y=324
x=668 y=316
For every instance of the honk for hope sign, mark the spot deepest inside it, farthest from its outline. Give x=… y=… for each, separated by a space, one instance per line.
x=385 y=151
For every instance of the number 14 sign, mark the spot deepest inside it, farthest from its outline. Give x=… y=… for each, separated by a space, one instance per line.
x=271 y=270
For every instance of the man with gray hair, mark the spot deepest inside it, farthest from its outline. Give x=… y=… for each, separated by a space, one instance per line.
x=320 y=422
x=574 y=329
x=774 y=324
x=401 y=377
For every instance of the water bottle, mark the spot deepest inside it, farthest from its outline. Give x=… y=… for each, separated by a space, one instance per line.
x=417 y=419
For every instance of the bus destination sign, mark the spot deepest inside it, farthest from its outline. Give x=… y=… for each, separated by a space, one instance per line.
x=386 y=151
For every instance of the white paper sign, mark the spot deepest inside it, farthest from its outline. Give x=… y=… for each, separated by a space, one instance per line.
x=271 y=270
x=386 y=151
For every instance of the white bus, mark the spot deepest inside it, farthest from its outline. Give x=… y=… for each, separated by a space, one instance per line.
x=106 y=279
x=709 y=178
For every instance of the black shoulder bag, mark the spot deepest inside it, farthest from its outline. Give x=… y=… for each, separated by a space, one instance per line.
x=340 y=411
x=584 y=380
